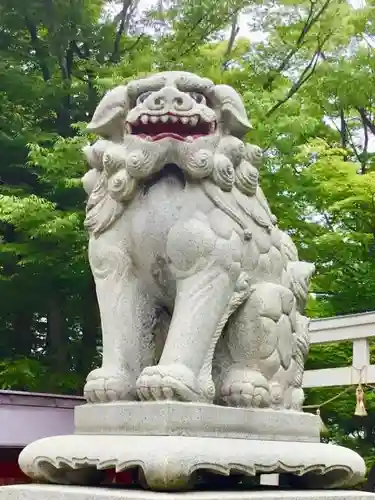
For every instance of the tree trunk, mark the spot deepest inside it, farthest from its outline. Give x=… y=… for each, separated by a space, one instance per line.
x=90 y=330
x=57 y=337
x=23 y=333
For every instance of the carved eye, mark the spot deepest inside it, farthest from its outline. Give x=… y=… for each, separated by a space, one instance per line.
x=198 y=98
x=143 y=97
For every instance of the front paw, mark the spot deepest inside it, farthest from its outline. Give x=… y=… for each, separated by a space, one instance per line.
x=103 y=385
x=172 y=382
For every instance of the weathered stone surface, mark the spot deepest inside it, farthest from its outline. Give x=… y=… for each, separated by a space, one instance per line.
x=171 y=463
x=171 y=418
x=50 y=492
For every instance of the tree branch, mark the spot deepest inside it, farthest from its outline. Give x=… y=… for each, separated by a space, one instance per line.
x=214 y=27
x=351 y=140
x=364 y=154
x=232 y=38
x=122 y=19
x=304 y=76
x=133 y=46
x=343 y=130
x=366 y=120
x=309 y=23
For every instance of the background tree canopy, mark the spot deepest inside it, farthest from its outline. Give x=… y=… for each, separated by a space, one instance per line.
x=309 y=85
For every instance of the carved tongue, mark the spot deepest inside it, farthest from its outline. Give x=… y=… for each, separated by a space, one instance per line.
x=171 y=135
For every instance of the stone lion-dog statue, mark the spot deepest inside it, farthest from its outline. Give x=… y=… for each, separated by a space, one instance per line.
x=201 y=295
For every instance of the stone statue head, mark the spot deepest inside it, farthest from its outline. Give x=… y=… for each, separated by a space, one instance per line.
x=171 y=118
x=176 y=105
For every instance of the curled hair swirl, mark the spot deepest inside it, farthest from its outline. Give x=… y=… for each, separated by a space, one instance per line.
x=223 y=173
x=247 y=177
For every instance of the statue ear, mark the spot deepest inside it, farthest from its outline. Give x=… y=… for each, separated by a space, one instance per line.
x=233 y=112
x=109 y=117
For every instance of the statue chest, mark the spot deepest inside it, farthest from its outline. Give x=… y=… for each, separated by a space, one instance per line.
x=151 y=217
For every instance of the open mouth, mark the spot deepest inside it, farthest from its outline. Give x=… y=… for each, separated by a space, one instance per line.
x=181 y=128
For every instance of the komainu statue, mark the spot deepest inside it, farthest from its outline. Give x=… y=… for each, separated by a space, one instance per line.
x=201 y=295
x=201 y=298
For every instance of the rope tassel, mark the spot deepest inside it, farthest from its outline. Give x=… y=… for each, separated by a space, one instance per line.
x=360 y=409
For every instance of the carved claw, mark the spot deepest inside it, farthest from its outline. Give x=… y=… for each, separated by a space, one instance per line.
x=103 y=386
x=173 y=382
x=277 y=395
x=246 y=388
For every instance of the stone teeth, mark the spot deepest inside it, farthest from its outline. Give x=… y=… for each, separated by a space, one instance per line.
x=154 y=119
x=173 y=118
x=212 y=127
x=184 y=120
x=194 y=120
x=144 y=119
x=164 y=118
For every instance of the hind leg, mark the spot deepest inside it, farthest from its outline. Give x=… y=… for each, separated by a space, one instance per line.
x=260 y=343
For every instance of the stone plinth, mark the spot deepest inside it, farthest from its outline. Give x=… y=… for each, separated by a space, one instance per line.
x=174 y=445
x=168 y=418
x=51 y=492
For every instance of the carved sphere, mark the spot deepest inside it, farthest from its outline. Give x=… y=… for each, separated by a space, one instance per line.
x=139 y=163
x=233 y=148
x=247 y=177
x=223 y=173
x=121 y=186
x=200 y=164
x=254 y=154
x=114 y=160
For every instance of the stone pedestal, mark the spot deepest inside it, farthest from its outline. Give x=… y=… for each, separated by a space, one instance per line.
x=52 y=492
x=179 y=446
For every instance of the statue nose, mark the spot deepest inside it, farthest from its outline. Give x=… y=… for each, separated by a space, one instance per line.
x=170 y=99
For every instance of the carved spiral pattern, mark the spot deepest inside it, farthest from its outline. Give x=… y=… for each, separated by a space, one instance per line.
x=121 y=186
x=140 y=163
x=232 y=148
x=254 y=155
x=200 y=164
x=247 y=177
x=223 y=173
x=114 y=159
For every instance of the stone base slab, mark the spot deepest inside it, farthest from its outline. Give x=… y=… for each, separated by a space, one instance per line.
x=170 y=418
x=49 y=492
x=170 y=463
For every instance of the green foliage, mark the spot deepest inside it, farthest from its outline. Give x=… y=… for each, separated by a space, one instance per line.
x=308 y=88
